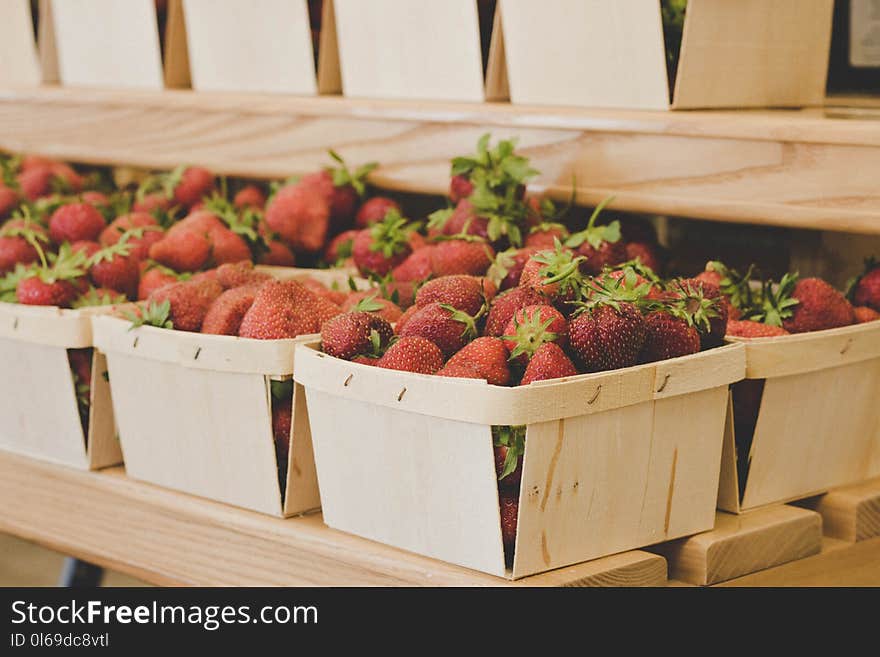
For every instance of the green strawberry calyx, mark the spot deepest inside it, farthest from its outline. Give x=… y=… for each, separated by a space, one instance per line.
x=560 y=266
x=529 y=334
x=595 y=235
x=611 y=291
x=498 y=167
x=368 y=305
x=165 y=183
x=244 y=223
x=777 y=302
x=93 y=297
x=151 y=314
x=391 y=235
x=469 y=322
x=514 y=439
x=9 y=282
x=343 y=177
x=735 y=286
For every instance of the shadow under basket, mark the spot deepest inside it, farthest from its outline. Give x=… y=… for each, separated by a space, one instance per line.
x=45 y=415
x=806 y=418
x=195 y=414
x=613 y=461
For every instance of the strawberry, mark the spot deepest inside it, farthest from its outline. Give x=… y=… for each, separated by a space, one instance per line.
x=370 y=302
x=81 y=364
x=250 y=196
x=448 y=328
x=228 y=246
x=505 y=305
x=548 y=362
x=463 y=220
x=194 y=184
x=35 y=182
x=236 y=274
x=704 y=301
x=865 y=290
x=141 y=242
x=336 y=296
x=460 y=291
x=509 y=503
x=668 y=336
x=632 y=275
x=278 y=255
x=55 y=284
x=17 y=238
x=383 y=246
x=531 y=327
x=507 y=268
x=418 y=266
x=735 y=287
x=325 y=310
x=646 y=253
x=374 y=211
x=189 y=301
x=8 y=200
x=226 y=312
x=748 y=329
x=599 y=244
x=460 y=256
x=412 y=354
x=281 y=309
x=186 y=250
x=86 y=247
x=487 y=356
x=864 y=314
x=355 y=333
x=555 y=274
x=98 y=199
x=340 y=247
x=282 y=421
x=115 y=268
x=154 y=276
x=801 y=305
x=460 y=371
x=341 y=188
x=74 y=222
x=364 y=359
x=545 y=235
x=152 y=202
x=404 y=318
x=459 y=188
x=99 y=296
x=301 y=216
x=509 y=446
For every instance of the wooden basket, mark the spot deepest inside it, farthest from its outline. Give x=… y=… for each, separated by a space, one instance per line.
x=613 y=461
x=195 y=414
x=734 y=53
x=39 y=402
x=818 y=425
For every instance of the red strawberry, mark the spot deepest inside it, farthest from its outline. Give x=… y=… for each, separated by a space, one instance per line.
x=488 y=358
x=342 y=189
x=555 y=274
x=153 y=278
x=866 y=289
x=448 y=328
x=58 y=284
x=35 y=182
x=383 y=246
x=545 y=236
x=190 y=301
x=374 y=211
x=16 y=243
x=460 y=371
x=507 y=269
x=86 y=247
x=355 y=333
x=599 y=244
x=301 y=216
x=609 y=335
x=370 y=302
x=532 y=326
x=98 y=199
x=460 y=291
x=115 y=268
x=228 y=246
x=417 y=266
x=152 y=202
x=509 y=502
x=818 y=305
x=36 y=292
x=645 y=253
x=74 y=222
x=412 y=354
x=236 y=274
x=192 y=185
x=150 y=232
x=340 y=247
x=504 y=306
x=8 y=200
x=509 y=446
x=749 y=329
x=281 y=309
x=228 y=310
x=250 y=196
x=548 y=362
x=69 y=179
x=865 y=314
x=325 y=310
x=81 y=364
x=668 y=336
x=365 y=360
x=404 y=318
x=186 y=250
x=705 y=302
x=278 y=255
x=464 y=221
x=459 y=188
x=461 y=257
x=282 y=419
x=336 y=296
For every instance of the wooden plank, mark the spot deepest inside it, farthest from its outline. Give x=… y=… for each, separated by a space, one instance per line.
x=170 y=538
x=795 y=169
x=743 y=544
x=18 y=52
x=850 y=513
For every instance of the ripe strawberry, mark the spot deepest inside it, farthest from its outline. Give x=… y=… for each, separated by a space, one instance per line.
x=191 y=185
x=630 y=278
x=341 y=188
x=509 y=446
x=35 y=182
x=282 y=420
x=301 y=216
x=325 y=310
x=336 y=296
x=487 y=356
x=374 y=211
x=383 y=246
x=864 y=314
x=81 y=364
x=281 y=309
x=364 y=359
x=748 y=329
x=17 y=238
x=412 y=354
x=371 y=302
x=36 y=292
x=608 y=335
x=227 y=246
x=115 y=268
x=278 y=255
x=668 y=336
x=153 y=277
x=808 y=304
x=646 y=253
x=599 y=244
x=471 y=256
x=74 y=222
x=548 y=362
x=236 y=274
x=189 y=301
x=507 y=268
x=509 y=502
x=545 y=235
x=865 y=290
x=86 y=247
x=555 y=274
x=55 y=284
x=460 y=371
x=250 y=196
x=182 y=250
x=448 y=328
x=152 y=202
x=355 y=333
x=225 y=314
x=418 y=266
x=532 y=326
x=8 y=200
x=462 y=292
x=150 y=233
x=459 y=188
x=98 y=199
x=735 y=287
x=504 y=306
x=339 y=249
x=404 y=318
x=704 y=302
x=463 y=220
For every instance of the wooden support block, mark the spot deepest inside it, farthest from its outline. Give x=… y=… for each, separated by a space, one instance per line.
x=743 y=544
x=851 y=513
x=635 y=568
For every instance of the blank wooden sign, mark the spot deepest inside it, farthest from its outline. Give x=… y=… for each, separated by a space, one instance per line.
x=419 y=49
x=258 y=46
x=18 y=53
x=107 y=43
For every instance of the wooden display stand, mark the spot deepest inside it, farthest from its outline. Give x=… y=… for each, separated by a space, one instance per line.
x=851 y=513
x=743 y=544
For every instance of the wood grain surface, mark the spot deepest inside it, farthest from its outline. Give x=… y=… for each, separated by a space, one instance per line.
x=851 y=513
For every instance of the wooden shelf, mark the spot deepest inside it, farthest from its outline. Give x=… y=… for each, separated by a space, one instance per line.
x=806 y=169
x=170 y=538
